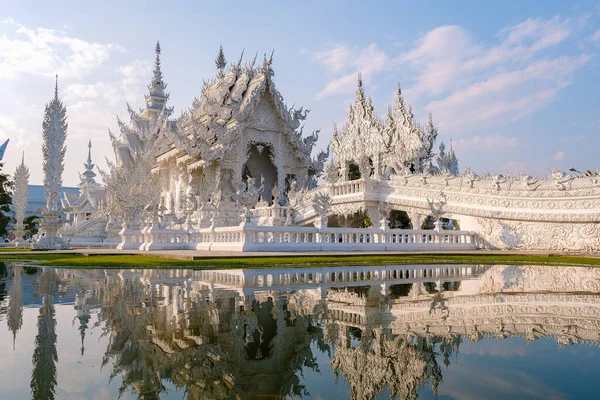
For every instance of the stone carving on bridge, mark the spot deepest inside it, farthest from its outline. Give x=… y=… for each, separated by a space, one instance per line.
x=560 y=178
x=528 y=182
x=321 y=203
x=436 y=207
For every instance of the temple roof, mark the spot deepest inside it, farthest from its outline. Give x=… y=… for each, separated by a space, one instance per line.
x=230 y=100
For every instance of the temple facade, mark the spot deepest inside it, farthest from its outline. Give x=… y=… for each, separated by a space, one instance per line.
x=236 y=172
x=238 y=128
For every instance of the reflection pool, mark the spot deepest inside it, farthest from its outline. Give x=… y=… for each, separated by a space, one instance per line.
x=380 y=332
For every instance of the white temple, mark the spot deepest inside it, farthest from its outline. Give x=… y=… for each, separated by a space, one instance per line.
x=79 y=209
x=236 y=172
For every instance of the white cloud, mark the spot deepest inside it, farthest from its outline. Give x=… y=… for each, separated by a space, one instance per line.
x=334 y=59
x=515 y=167
x=466 y=83
x=341 y=59
x=595 y=36
x=132 y=72
x=485 y=142
x=126 y=88
x=439 y=60
x=560 y=155
x=45 y=52
x=507 y=96
x=539 y=33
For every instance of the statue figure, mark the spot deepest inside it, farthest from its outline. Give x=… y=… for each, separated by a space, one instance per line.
x=247 y=195
x=497 y=180
x=527 y=181
x=436 y=206
x=447 y=176
x=364 y=166
x=322 y=203
x=560 y=178
x=470 y=177
x=295 y=198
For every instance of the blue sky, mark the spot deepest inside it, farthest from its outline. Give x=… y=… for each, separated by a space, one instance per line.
x=515 y=84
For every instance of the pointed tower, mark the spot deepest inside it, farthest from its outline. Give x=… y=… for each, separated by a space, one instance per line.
x=89 y=174
x=360 y=92
x=19 y=198
x=54 y=134
x=157 y=97
x=221 y=62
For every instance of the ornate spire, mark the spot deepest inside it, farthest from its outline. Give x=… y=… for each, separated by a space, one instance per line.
x=89 y=175
x=221 y=62
x=54 y=134
x=360 y=93
x=157 y=96
x=56 y=88
x=20 y=195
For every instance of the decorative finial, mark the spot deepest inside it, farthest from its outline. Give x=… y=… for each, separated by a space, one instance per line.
x=271 y=58
x=360 y=83
x=240 y=59
x=156 y=86
x=221 y=62
x=23 y=158
x=56 y=88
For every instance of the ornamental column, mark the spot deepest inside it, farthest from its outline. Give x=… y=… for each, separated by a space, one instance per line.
x=54 y=134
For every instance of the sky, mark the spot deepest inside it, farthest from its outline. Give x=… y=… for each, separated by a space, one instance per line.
x=513 y=84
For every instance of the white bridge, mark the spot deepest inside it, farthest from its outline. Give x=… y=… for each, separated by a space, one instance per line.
x=559 y=213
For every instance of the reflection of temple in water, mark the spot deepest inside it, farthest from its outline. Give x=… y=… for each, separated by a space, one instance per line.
x=249 y=333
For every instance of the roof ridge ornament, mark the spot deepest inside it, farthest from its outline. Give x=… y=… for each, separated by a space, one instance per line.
x=239 y=63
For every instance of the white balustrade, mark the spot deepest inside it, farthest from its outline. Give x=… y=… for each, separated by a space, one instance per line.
x=92 y=245
x=252 y=237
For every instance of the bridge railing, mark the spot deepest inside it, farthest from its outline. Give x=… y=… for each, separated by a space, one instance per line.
x=92 y=245
x=349 y=187
x=291 y=238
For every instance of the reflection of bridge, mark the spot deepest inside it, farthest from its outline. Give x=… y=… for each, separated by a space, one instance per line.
x=498 y=301
x=332 y=277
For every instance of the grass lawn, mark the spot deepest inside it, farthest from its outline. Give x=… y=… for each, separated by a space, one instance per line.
x=79 y=260
x=13 y=249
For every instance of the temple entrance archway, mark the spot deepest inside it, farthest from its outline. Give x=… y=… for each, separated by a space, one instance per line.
x=260 y=162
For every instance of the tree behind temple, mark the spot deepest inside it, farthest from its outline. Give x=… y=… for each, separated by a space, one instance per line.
x=6 y=186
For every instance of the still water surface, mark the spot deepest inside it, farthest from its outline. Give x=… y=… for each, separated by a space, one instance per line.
x=455 y=332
